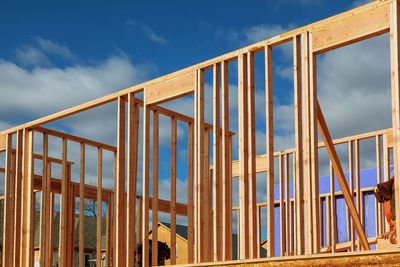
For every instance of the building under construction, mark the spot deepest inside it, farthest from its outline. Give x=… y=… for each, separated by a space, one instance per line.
x=301 y=224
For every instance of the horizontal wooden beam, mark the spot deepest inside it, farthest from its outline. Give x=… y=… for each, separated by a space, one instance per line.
x=355 y=28
x=75 y=138
x=164 y=91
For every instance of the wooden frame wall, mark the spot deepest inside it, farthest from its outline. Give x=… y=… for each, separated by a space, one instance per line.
x=207 y=228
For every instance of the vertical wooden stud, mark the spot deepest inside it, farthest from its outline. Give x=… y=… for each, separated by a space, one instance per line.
x=154 y=211
x=146 y=182
x=217 y=180
x=190 y=195
x=99 y=204
x=120 y=224
x=44 y=205
x=6 y=261
x=226 y=167
x=333 y=210
x=270 y=152
x=132 y=154
x=243 y=157
x=281 y=207
x=252 y=156
x=173 y=189
x=82 y=206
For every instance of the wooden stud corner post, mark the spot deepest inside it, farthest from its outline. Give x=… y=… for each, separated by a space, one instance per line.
x=341 y=178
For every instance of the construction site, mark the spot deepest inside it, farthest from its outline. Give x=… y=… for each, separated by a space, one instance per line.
x=304 y=218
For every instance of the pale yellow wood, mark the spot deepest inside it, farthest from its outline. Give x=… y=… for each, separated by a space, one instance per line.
x=298 y=189
x=351 y=29
x=378 y=208
x=63 y=234
x=282 y=207
x=190 y=194
x=358 y=183
x=252 y=157
x=132 y=158
x=155 y=190
x=217 y=179
x=305 y=58
x=82 y=205
x=226 y=167
x=351 y=181
x=6 y=260
x=243 y=157
x=44 y=203
x=18 y=198
x=173 y=188
x=99 y=204
x=270 y=151
x=333 y=220
x=120 y=224
x=146 y=185
x=168 y=90
x=316 y=224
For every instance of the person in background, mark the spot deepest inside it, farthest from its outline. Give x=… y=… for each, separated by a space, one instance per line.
x=384 y=193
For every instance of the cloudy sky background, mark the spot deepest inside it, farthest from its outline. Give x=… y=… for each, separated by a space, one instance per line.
x=58 y=55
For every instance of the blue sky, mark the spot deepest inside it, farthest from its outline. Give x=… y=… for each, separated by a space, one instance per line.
x=58 y=54
x=169 y=35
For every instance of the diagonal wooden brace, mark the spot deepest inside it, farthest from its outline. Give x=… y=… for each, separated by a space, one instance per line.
x=348 y=197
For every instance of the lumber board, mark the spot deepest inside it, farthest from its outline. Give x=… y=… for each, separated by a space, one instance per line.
x=99 y=204
x=146 y=186
x=44 y=205
x=155 y=188
x=298 y=161
x=120 y=203
x=333 y=220
x=27 y=198
x=243 y=157
x=217 y=179
x=341 y=178
x=81 y=204
x=316 y=228
x=269 y=151
x=282 y=222
x=252 y=156
x=351 y=181
x=351 y=29
x=226 y=170
x=6 y=260
x=306 y=98
x=75 y=138
x=190 y=208
x=132 y=154
x=173 y=189
x=168 y=90
x=18 y=197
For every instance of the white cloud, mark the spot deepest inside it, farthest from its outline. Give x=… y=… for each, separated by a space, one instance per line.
x=53 y=48
x=153 y=36
x=29 y=56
